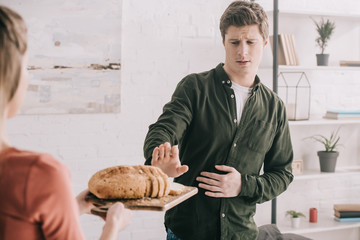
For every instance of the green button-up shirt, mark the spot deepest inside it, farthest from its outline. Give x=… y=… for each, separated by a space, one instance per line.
x=201 y=119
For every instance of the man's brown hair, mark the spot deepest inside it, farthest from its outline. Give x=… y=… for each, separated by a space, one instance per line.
x=243 y=13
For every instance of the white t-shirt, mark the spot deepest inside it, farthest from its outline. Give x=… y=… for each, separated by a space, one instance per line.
x=241 y=96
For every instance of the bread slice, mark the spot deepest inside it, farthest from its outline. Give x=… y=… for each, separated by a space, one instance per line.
x=149 y=180
x=152 y=181
x=166 y=182
x=156 y=184
x=176 y=188
x=161 y=183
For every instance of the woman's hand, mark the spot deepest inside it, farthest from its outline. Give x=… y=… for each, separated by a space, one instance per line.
x=117 y=219
x=84 y=206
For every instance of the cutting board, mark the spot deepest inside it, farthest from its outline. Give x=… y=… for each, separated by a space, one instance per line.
x=149 y=204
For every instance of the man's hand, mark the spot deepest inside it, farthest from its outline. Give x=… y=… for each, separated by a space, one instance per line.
x=167 y=159
x=221 y=185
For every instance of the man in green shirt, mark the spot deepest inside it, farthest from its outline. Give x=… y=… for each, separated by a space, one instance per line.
x=218 y=131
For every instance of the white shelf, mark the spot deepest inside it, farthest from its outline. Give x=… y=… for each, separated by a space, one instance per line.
x=292 y=13
x=311 y=68
x=313 y=121
x=318 y=68
x=316 y=174
x=325 y=222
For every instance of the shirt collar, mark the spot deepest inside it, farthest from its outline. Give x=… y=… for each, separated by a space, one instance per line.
x=225 y=80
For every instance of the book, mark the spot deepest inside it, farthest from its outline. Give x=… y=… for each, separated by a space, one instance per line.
x=342 y=115
x=284 y=45
x=347 y=207
x=290 y=49
x=294 y=50
x=346 y=214
x=354 y=219
x=344 y=111
x=281 y=56
x=287 y=54
x=350 y=63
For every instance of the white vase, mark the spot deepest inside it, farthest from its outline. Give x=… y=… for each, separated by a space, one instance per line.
x=295 y=222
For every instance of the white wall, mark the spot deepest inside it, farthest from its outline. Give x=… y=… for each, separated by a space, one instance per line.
x=162 y=41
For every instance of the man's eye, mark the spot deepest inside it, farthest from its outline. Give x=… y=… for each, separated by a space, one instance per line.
x=234 y=43
x=250 y=42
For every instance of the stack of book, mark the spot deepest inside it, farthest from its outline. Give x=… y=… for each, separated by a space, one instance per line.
x=335 y=114
x=350 y=63
x=287 y=54
x=347 y=212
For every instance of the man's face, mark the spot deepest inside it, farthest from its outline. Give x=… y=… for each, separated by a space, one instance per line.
x=244 y=48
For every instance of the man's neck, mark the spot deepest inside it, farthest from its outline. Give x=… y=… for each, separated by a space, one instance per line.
x=243 y=79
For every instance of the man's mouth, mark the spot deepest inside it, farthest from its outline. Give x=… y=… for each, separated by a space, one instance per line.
x=242 y=61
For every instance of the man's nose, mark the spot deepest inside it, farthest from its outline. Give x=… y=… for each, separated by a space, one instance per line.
x=243 y=49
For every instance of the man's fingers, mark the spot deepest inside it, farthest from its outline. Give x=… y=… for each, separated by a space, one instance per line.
x=210 y=187
x=208 y=181
x=215 y=194
x=224 y=168
x=162 y=151
x=167 y=147
x=182 y=169
x=175 y=151
x=155 y=155
x=215 y=176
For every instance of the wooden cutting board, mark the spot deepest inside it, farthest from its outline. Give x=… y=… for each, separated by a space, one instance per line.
x=150 y=204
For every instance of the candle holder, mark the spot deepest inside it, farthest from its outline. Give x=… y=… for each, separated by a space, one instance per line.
x=294 y=89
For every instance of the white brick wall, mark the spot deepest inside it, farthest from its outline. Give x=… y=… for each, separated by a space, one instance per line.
x=162 y=41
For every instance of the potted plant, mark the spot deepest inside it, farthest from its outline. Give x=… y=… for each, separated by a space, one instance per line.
x=325 y=29
x=329 y=156
x=295 y=217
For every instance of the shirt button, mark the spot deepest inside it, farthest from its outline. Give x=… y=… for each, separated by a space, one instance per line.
x=234 y=144
x=223 y=215
x=223 y=82
x=234 y=120
x=228 y=81
x=232 y=96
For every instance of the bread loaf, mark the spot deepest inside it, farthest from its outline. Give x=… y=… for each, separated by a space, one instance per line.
x=129 y=182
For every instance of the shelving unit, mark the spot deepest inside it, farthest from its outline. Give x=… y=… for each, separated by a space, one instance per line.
x=289 y=12
x=315 y=174
x=326 y=222
x=313 y=121
x=315 y=68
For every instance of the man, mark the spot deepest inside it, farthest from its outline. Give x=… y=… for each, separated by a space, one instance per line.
x=218 y=130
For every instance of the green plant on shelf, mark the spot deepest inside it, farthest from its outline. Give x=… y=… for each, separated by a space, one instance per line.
x=329 y=143
x=325 y=29
x=294 y=214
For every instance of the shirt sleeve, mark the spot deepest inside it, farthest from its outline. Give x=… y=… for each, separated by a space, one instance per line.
x=277 y=168
x=173 y=122
x=49 y=200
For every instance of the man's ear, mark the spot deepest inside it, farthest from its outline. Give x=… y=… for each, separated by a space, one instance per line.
x=265 y=43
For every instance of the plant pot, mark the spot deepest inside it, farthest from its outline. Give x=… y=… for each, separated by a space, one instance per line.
x=322 y=59
x=295 y=222
x=327 y=160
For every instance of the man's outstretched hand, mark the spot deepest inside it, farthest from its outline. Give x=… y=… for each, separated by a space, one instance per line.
x=167 y=159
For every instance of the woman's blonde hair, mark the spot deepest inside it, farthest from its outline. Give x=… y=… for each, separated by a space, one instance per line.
x=13 y=46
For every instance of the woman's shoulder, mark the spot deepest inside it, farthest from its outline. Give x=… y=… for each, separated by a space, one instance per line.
x=29 y=159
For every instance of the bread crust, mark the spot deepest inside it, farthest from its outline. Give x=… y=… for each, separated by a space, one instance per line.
x=129 y=182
